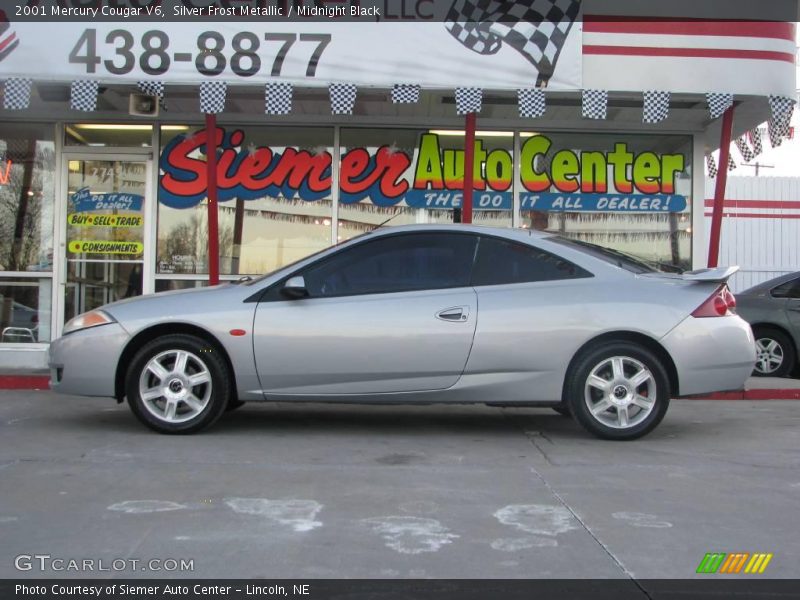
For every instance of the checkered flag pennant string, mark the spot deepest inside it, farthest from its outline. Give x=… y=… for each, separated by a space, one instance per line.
x=343 y=98
x=212 y=97
x=594 y=104
x=755 y=138
x=537 y=29
x=718 y=103
x=83 y=95
x=778 y=126
x=711 y=164
x=744 y=149
x=656 y=107
x=531 y=102
x=731 y=162
x=468 y=100
x=403 y=93
x=278 y=98
x=153 y=88
x=17 y=94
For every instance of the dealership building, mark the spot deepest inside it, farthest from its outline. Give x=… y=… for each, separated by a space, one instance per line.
x=594 y=125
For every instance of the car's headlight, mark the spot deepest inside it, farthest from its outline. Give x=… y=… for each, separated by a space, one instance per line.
x=93 y=318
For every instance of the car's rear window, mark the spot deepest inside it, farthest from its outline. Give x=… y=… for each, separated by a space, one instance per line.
x=609 y=255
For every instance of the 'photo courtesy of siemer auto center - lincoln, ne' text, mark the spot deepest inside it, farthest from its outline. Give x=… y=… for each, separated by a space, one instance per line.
x=379 y=255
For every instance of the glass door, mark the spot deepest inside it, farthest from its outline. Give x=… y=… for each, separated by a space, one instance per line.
x=103 y=243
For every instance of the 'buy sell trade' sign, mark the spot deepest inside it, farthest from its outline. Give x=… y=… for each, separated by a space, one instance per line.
x=552 y=179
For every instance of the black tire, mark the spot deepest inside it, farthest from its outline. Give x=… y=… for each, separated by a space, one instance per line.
x=563 y=410
x=208 y=402
x=635 y=359
x=783 y=346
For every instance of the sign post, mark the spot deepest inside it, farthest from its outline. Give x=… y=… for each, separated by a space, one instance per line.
x=213 y=226
x=469 y=160
x=719 y=189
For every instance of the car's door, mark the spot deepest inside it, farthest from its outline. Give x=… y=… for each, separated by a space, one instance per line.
x=392 y=314
x=790 y=293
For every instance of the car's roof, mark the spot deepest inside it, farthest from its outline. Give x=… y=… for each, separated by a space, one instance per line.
x=768 y=285
x=451 y=227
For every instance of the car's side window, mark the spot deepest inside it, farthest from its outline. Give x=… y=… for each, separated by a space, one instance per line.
x=396 y=263
x=790 y=289
x=502 y=261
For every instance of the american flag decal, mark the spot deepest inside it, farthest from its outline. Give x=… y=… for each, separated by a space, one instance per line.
x=8 y=39
x=537 y=29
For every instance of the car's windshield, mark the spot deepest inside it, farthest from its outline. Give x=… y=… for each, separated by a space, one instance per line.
x=626 y=261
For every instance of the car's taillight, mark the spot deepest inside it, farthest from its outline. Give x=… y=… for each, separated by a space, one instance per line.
x=720 y=304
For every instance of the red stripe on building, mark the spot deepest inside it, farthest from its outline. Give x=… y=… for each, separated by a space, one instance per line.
x=8 y=41
x=664 y=26
x=757 y=216
x=688 y=52
x=795 y=204
x=24 y=382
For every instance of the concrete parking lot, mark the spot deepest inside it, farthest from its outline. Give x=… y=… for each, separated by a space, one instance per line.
x=315 y=491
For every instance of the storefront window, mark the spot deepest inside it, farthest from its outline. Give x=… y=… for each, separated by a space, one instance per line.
x=27 y=205
x=275 y=203
x=107 y=135
x=632 y=193
x=25 y=310
x=403 y=176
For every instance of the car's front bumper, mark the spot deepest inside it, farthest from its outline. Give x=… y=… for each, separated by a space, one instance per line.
x=84 y=363
x=711 y=354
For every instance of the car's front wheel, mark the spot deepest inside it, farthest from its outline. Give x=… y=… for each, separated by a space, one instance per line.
x=774 y=353
x=618 y=391
x=178 y=384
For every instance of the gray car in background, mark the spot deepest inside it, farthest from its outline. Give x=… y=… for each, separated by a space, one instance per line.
x=421 y=314
x=773 y=310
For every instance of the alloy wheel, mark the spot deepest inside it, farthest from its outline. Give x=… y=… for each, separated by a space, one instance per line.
x=769 y=355
x=175 y=386
x=620 y=392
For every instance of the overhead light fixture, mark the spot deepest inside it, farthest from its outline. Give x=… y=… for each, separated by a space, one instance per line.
x=127 y=127
x=460 y=133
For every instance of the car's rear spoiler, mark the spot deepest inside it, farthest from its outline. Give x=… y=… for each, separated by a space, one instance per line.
x=715 y=275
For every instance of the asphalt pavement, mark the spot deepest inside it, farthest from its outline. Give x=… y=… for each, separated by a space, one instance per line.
x=316 y=491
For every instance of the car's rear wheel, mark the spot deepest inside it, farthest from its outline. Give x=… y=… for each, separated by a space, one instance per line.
x=178 y=384
x=618 y=391
x=774 y=353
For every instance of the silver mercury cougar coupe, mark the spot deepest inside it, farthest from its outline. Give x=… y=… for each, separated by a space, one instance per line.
x=420 y=314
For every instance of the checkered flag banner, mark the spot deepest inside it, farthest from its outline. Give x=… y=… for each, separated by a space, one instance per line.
x=718 y=104
x=731 y=162
x=278 y=98
x=537 y=29
x=153 y=88
x=594 y=104
x=711 y=164
x=212 y=97
x=343 y=98
x=744 y=149
x=755 y=138
x=531 y=103
x=656 y=107
x=83 y=95
x=403 y=93
x=17 y=94
x=778 y=126
x=468 y=100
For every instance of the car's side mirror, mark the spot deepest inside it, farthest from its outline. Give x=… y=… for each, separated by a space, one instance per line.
x=294 y=288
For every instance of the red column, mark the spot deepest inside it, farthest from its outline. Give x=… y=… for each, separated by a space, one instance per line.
x=719 y=190
x=213 y=225
x=469 y=167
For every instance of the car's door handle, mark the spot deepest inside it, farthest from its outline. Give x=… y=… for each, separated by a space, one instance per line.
x=454 y=313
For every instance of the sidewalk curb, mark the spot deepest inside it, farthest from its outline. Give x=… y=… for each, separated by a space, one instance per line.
x=24 y=382
x=757 y=394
